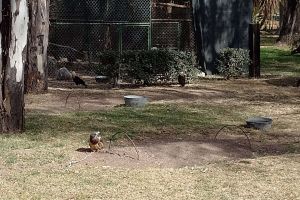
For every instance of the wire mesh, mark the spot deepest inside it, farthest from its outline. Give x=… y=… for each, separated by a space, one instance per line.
x=80 y=29
x=165 y=34
x=101 y=10
x=135 y=37
x=175 y=9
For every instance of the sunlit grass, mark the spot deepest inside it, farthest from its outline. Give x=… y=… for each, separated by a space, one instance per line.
x=279 y=61
x=179 y=119
x=268 y=40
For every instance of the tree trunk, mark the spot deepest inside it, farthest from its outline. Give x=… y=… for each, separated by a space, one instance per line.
x=289 y=21
x=14 y=26
x=36 y=70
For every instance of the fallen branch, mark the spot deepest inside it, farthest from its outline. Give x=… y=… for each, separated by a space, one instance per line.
x=67 y=47
x=113 y=153
x=73 y=162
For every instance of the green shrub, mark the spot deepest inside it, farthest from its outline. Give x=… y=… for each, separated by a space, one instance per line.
x=109 y=64
x=232 y=62
x=149 y=66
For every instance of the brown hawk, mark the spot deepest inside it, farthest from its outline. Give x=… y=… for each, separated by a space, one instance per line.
x=96 y=142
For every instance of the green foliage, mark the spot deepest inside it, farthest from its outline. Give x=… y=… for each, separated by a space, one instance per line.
x=109 y=64
x=183 y=61
x=232 y=62
x=150 y=66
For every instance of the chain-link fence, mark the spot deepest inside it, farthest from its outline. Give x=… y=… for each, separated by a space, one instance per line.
x=80 y=29
x=101 y=10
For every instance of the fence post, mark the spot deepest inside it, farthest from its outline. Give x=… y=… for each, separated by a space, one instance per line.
x=120 y=35
x=254 y=47
x=150 y=36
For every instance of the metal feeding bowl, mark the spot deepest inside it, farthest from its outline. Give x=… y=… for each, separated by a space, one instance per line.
x=135 y=101
x=261 y=123
x=102 y=79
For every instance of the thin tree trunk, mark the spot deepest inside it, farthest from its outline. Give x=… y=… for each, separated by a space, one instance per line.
x=14 y=28
x=36 y=71
x=289 y=21
x=1 y=69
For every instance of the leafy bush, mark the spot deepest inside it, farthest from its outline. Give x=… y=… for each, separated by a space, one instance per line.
x=232 y=62
x=150 y=66
x=109 y=64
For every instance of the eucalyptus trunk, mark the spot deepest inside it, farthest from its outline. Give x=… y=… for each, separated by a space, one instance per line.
x=36 y=71
x=14 y=26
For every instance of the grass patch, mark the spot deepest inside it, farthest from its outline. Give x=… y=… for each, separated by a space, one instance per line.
x=268 y=40
x=11 y=159
x=48 y=137
x=279 y=61
x=179 y=119
x=264 y=178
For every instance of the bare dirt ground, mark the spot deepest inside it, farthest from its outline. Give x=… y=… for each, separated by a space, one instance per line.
x=167 y=155
x=235 y=92
x=264 y=96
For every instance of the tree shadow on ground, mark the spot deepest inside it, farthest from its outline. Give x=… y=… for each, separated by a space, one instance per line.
x=283 y=82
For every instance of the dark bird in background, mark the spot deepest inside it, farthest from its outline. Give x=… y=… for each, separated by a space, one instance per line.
x=297 y=50
x=182 y=79
x=298 y=83
x=77 y=80
x=95 y=141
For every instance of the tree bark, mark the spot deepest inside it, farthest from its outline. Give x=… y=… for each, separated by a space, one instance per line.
x=36 y=70
x=14 y=26
x=289 y=21
x=1 y=68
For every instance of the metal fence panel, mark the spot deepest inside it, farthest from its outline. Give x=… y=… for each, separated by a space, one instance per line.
x=101 y=10
x=79 y=29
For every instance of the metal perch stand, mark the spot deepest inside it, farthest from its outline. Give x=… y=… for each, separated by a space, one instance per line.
x=244 y=132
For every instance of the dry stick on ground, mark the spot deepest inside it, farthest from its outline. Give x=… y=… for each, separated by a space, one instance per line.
x=118 y=154
x=79 y=106
x=67 y=47
x=137 y=152
x=73 y=162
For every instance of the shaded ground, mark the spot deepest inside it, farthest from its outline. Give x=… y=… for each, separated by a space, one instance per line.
x=239 y=92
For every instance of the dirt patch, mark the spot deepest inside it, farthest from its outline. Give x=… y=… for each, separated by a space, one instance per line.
x=95 y=97
x=165 y=155
x=185 y=153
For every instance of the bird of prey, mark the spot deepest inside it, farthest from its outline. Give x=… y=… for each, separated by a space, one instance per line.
x=95 y=141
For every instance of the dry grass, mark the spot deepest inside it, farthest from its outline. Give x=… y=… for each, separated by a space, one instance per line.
x=261 y=178
x=34 y=165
